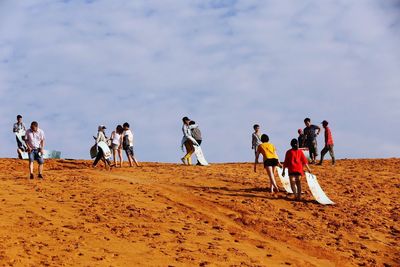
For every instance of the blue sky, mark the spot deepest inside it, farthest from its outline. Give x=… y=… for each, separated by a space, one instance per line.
x=72 y=65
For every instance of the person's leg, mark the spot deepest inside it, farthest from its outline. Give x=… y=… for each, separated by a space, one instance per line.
x=31 y=160
x=323 y=153
x=298 y=185
x=187 y=147
x=121 y=158
x=314 y=154
x=189 y=151
x=314 y=151
x=332 y=153
x=270 y=172
x=19 y=150
x=41 y=170
x=99 y=156
x=115 y=156
x=293 y=184
x=129 y=158
x=107 y=163
x=40 y=161
x=133 y=156
x=189 y=159
x=31 y=169
x=311 y=152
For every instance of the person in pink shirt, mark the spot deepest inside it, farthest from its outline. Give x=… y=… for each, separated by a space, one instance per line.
x=328 y=144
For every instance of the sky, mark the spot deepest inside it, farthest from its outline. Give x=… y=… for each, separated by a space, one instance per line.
x=227 y=64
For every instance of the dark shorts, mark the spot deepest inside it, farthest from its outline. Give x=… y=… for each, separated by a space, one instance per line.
x=129 y=152
x=114 y=147
x=271 y=163
x=294 y=174
x=34 y=155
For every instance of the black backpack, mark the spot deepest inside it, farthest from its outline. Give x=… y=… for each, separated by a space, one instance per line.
x=125 y=142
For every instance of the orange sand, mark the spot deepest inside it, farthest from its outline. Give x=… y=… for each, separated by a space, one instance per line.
x=166 y=214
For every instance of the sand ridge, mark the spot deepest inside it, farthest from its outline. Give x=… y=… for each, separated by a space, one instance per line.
x=221 y=215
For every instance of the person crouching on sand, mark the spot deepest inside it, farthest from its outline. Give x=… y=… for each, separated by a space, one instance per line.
x=34 y=139
x=271 y=160
x=116 y=144
x=101 y=137
x=295 y=160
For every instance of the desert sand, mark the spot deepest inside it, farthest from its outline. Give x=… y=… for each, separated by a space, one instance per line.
x=172 y=215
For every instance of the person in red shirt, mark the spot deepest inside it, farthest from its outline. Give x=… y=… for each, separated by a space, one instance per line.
x=295 y=160
x=328 y=144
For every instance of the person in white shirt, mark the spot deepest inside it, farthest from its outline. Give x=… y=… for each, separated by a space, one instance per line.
x=127 y=145
x=116 y=144
x=256 y=138
x=34 y=139
x=19 y=128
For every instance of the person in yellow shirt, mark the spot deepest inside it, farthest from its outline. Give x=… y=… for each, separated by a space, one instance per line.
x=271 y=160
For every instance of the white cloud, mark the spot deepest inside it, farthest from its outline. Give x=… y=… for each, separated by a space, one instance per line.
x=228 y=64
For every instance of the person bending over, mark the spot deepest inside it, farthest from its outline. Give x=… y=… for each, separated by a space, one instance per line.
x=295 y=160
x=271 y=160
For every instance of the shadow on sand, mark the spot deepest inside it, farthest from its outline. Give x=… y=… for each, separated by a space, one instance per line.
x=250 y=193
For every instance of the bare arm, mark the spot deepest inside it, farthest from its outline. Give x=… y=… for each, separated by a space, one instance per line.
x=283 y=169
x=319 y=129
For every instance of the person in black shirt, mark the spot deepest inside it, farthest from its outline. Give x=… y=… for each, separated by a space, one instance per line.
x=300 y=139
x=310 y=139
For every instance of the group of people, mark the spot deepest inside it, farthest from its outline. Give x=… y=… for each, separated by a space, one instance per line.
x=295 y=159
x=308 y=139
x=30 y=141
x=121 y=139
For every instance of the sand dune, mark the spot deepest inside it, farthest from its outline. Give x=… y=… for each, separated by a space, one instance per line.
x=171 y=215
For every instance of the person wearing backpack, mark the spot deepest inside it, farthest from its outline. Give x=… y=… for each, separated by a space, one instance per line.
x=127 y=145
x=196 y=133
x=188 y=141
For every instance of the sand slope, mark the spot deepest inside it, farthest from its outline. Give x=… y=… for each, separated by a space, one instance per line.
x=165 y=214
